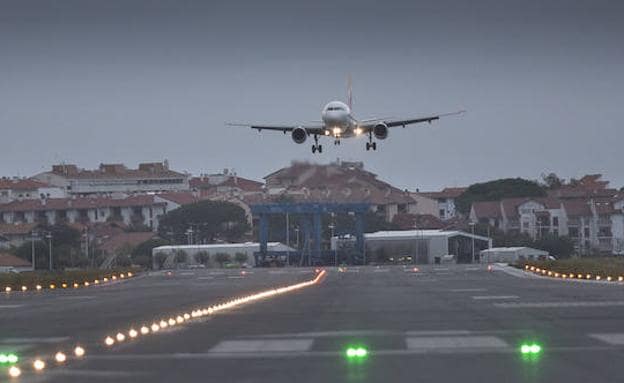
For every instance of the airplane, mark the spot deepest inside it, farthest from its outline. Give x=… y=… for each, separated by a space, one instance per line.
x=338 y=122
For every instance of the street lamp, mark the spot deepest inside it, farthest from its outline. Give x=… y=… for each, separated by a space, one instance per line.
x=332 y=227
x=472 y=225
x=49 y=238
x=33 y=235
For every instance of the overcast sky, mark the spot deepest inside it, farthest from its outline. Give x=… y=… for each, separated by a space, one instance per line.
x=127 y=81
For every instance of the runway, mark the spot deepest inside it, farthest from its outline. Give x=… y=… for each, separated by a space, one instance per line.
x=437 y=324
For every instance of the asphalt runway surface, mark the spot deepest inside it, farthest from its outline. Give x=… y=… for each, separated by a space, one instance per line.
x=442 y=323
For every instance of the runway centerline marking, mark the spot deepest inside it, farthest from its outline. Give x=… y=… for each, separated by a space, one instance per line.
x=616 y=339
x=494 y=297
x=468 y=290
x=281 y=345
x=471 y=342
x=10 y=306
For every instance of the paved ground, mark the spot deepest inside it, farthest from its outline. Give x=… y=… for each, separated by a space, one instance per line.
x=446 y=323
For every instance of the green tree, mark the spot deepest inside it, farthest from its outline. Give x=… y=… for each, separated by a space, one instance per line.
x=559 y=247
x=552 y=181
x=203 y=257
x=240 y=258
x=181 y=256
x=142 y=253
x=210 y=221
x=222 y=258
x=497 y=190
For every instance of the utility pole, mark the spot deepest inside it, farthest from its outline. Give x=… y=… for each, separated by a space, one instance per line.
x=32 y=248
x=472 y=225
x=287 y=241
x=49 y=237
x=332 y=227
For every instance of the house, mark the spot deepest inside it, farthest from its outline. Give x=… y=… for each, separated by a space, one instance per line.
x=446 y=201
x=339 y=182
x=11 y=263
x=12 y=189
x=226 y=183
x=110 y=179
x=14 y=235
x=133 y=210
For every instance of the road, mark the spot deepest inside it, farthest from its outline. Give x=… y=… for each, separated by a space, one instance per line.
x=439 y=324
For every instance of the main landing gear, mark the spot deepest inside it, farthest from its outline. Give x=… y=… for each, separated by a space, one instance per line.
x=316 y=147
x=370 y=144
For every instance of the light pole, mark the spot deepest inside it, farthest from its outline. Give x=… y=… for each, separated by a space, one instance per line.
x=472 y=225
x=32 y=248
x=49 y=237
x=287 y=241
x=332 y=227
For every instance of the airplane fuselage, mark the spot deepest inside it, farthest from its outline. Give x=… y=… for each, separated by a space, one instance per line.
x=338 y=120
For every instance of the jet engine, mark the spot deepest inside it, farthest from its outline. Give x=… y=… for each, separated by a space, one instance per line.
x=381 y=131
x=299 y=135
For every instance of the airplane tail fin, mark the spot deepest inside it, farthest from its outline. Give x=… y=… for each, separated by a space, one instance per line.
x=349 y=92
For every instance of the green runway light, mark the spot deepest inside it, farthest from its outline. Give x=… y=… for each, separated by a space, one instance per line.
x=8 y=359
x=356 y=352
x=530 y=349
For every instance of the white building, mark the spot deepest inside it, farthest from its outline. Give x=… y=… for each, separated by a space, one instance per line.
x=422 y=246
x=17 y=189
x=446 y=201
x=115 y=178
x=511 y=254
x=191 y=251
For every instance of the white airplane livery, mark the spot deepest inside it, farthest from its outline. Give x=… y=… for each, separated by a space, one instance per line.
x=338 y=122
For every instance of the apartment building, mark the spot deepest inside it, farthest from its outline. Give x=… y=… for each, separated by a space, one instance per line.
x=445 y=201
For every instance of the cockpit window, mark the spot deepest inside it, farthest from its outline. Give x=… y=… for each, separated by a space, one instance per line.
x=334 y=108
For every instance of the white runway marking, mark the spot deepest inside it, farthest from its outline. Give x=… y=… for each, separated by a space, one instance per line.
x=381 y=270
x=10 y=306
x=283 y=345
x=440 y=269
x=277 y=272
x=494 y=297
x=204 y=278
x=216 y=273
x=465 y=342
x=235 y=277
x=187 y=273
x=327 y=334
x=437 y=332
x=615 y=339
x=540 y=305
x=473 y=268
x=475 y=290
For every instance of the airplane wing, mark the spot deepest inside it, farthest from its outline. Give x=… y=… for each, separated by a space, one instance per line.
x=310 y=129
x=370 y=123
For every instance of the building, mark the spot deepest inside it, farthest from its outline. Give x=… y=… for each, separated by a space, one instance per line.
x=446 y=201
x=511 y=254
x=168 y=253
x=227 y=183
x=11 y=264
x=422 y=246
x=110 y=179
x=337 y=182
x=12 y=189
x=14 y=235
x=592 y=218
x=131 y=211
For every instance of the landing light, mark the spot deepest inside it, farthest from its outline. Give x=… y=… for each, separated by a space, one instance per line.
x=336 y=131
x=358 y=131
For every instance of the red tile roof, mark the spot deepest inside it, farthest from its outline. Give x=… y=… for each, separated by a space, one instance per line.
x=453 y=192
x=19 y=229
x=510 y=205
x=144 y=171
x=487 y=209
x=9 y=260
x=115 y=242
x=78 y=203
x=20 y=184
x=181 y=198
x=577 y=208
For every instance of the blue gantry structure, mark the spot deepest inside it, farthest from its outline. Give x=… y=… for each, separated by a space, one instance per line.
x=308 y=216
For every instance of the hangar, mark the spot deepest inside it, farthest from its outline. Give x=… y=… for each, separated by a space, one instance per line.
x=420 y=246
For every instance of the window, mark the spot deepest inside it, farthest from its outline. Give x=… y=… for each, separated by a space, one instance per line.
x=586 y=232
x=442 y=211
x=555 y=221
x=573 y=232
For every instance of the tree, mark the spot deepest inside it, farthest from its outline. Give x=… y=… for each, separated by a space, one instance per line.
x=222 y=258
x=552 y=181
x=497 y=190
x=240 y=258
x=203 y=257
x=24 y=251
x=142 y=253
x=181 y=256
x=210 y=221
x=559 y=247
